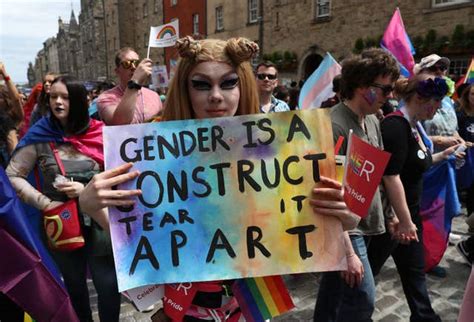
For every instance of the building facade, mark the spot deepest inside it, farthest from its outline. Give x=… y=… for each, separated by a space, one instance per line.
x=309 y=29
x=51 y=55
x=192 y=20
x=69 y=47
x=92 y=38
x=295 y=34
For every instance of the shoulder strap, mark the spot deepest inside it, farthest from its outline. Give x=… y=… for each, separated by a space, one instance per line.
x=57 y=158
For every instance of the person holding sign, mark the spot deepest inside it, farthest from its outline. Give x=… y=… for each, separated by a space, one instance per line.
x=129 y=102
x=404 y=137
x=366 y=84
x=213 y=79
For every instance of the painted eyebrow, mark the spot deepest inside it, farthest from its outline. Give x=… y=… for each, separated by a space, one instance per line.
x=201 y=75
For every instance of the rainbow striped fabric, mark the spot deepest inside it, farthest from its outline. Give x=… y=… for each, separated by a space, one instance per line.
x=469 y=78
x=262 y=298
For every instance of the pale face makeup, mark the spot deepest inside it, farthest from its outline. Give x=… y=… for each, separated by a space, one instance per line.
x=59 y=102
x=213 y=89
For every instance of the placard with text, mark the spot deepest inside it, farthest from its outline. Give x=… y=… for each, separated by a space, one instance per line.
x=223 y=198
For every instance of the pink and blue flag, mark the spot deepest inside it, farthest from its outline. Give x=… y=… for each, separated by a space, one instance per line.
x=318 y=87
x=395 y=40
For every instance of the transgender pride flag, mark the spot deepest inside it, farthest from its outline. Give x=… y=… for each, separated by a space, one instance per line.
x=395 y=40
x=318 y=87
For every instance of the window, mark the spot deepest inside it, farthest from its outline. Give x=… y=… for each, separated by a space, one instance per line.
x=256 y=58
x=145 y=40
x=458 y=66
x=444 y=3
x=113 y=17
x=219 y=18
x=156 y=6
x=195 y=24
x=253 y=11
x=174 y=2
x=145 y=9
x=322 y=8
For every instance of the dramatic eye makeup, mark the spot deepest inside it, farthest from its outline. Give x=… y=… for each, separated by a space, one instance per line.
x=229 y=82
x=200 y=85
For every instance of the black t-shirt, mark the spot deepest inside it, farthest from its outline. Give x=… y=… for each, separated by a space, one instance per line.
x=408 y=159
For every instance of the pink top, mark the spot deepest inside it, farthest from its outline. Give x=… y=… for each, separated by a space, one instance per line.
x=148 y=105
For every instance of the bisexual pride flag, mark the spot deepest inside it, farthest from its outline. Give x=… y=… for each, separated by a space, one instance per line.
x=261 y=298
x=396 y=41
x=318 y=87
x=439 y=205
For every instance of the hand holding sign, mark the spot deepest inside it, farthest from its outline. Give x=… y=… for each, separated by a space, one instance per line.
x=98 y=193
x=329 y=201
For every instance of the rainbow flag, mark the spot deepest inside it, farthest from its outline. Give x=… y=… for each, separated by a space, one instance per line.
x=469 y=78
x=396 y=41
x=318 y=87
x=261 y=298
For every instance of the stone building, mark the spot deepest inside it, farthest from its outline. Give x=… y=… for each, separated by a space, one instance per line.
x=192 y=20
x=40 y=66
x=92 y=37
x=51 y=55
x=69 y=51
x=309 y=29
x=31 y=75
x=228 y=18
x=127 y=24
x=149 y=13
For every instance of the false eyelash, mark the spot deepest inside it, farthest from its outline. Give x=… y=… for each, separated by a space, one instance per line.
x=200 y=85
x=230 y=83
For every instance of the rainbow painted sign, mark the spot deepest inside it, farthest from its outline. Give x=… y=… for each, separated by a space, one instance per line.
x=164 y=35
x=223 y=198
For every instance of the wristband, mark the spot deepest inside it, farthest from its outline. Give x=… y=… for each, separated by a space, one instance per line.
x=6 y=78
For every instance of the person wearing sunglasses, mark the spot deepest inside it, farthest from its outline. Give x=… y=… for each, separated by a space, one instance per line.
x=366 y=84
x=130 y=102
x=266 y=74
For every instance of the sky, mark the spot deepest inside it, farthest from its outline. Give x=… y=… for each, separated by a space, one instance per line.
x=24 y=26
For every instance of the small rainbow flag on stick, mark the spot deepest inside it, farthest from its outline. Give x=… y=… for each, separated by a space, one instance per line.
x=469 y=78
x=262 y=298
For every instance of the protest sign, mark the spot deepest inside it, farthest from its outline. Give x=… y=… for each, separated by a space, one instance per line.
x=159 y=76
x=145 y=296
x=365 y=165
x=223 y=198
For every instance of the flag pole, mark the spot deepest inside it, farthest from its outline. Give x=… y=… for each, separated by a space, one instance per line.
x=148 y=52
x=346 y=161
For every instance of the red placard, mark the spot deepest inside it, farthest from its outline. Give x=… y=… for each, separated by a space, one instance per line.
x=365 y=165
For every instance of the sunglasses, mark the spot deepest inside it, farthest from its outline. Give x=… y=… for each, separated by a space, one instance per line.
x=127 y=64
x=386 y=89
x=435 y=68
x=262 y=76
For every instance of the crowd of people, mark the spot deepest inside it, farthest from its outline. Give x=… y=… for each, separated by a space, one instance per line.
x=414 y=119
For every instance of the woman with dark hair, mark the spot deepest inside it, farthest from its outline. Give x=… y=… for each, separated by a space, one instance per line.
x=77 y=140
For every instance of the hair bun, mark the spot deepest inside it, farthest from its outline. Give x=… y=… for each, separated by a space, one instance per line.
x=241 y=49
x=188 y=47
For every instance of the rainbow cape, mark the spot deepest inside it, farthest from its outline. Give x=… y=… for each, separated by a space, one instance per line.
x=261 y=298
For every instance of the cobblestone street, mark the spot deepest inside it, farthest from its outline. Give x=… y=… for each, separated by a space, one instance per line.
x=446 y=293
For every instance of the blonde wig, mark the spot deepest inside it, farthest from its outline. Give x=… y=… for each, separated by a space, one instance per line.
x=236 y=52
